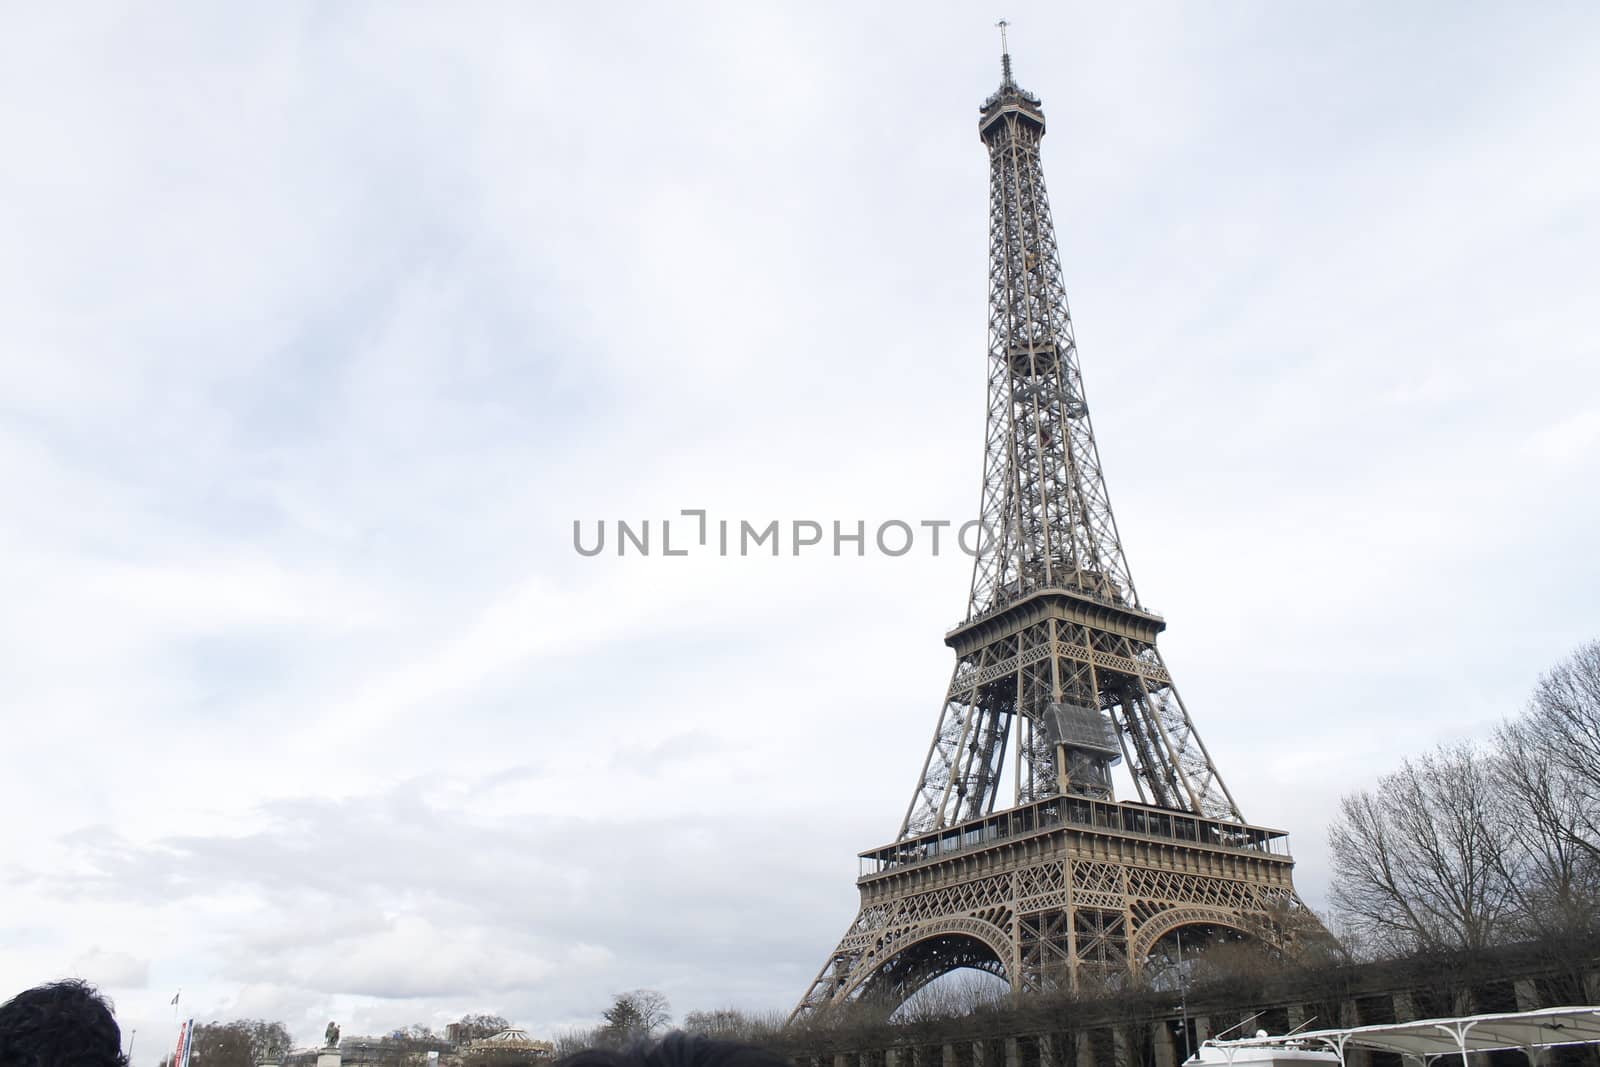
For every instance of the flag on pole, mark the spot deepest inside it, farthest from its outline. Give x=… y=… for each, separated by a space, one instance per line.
x=176 y=995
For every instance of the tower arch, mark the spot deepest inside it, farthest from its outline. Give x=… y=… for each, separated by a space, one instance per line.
x=930 y=952
x=1153 y=930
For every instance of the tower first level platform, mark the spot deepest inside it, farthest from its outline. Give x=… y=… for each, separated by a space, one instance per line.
x=1046 y=894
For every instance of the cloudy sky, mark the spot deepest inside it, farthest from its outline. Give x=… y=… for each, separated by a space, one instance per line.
x=321 y=324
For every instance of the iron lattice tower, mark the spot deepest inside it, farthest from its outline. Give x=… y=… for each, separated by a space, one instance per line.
x=1056 y=663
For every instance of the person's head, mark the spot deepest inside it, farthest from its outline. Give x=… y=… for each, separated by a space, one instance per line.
x=679 y=1050
x=59 y=1024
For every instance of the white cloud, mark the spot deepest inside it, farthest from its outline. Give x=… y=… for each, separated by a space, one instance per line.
x=110 y=968
x=320 y=328
x=1567 y=440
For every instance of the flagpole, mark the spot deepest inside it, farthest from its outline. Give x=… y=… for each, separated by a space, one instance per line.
x=177 y=1054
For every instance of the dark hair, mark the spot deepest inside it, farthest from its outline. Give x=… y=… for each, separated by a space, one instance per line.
x=57 y=1025
x=678 y=1049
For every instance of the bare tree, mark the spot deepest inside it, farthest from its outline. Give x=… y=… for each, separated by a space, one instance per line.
x=635 y=1014
x=1557 y=866
x=570 y=1042
x=1561 y=730
x=241 y=1043
x=731 y=1024
x=1426 y=861
x=960 y=992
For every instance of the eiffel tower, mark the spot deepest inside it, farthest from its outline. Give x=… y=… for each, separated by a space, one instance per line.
x=1056 y=663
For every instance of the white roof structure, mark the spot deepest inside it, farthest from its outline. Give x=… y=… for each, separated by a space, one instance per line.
x=1425 y=1040
x=511 y=1035
x=509 y=1038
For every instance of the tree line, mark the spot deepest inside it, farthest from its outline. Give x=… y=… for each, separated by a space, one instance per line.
x=1477 y=845
x=632 y=1016
x=249 y=1042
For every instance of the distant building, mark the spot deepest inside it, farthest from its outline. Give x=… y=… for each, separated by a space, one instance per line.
x=509 y=1048
x=395 y=1050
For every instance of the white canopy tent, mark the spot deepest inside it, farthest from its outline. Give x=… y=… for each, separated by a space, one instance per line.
x=1425 y=1040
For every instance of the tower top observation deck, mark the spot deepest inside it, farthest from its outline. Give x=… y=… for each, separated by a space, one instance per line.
x=1009 y=99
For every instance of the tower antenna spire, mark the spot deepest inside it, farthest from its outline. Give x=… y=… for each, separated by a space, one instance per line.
x=1005 y=51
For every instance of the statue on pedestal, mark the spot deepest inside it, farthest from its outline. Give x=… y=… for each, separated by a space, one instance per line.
x=331 y=1035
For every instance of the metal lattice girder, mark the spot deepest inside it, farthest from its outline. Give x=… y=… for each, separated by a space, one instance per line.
x=1065 y=880
x=1050 y=533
